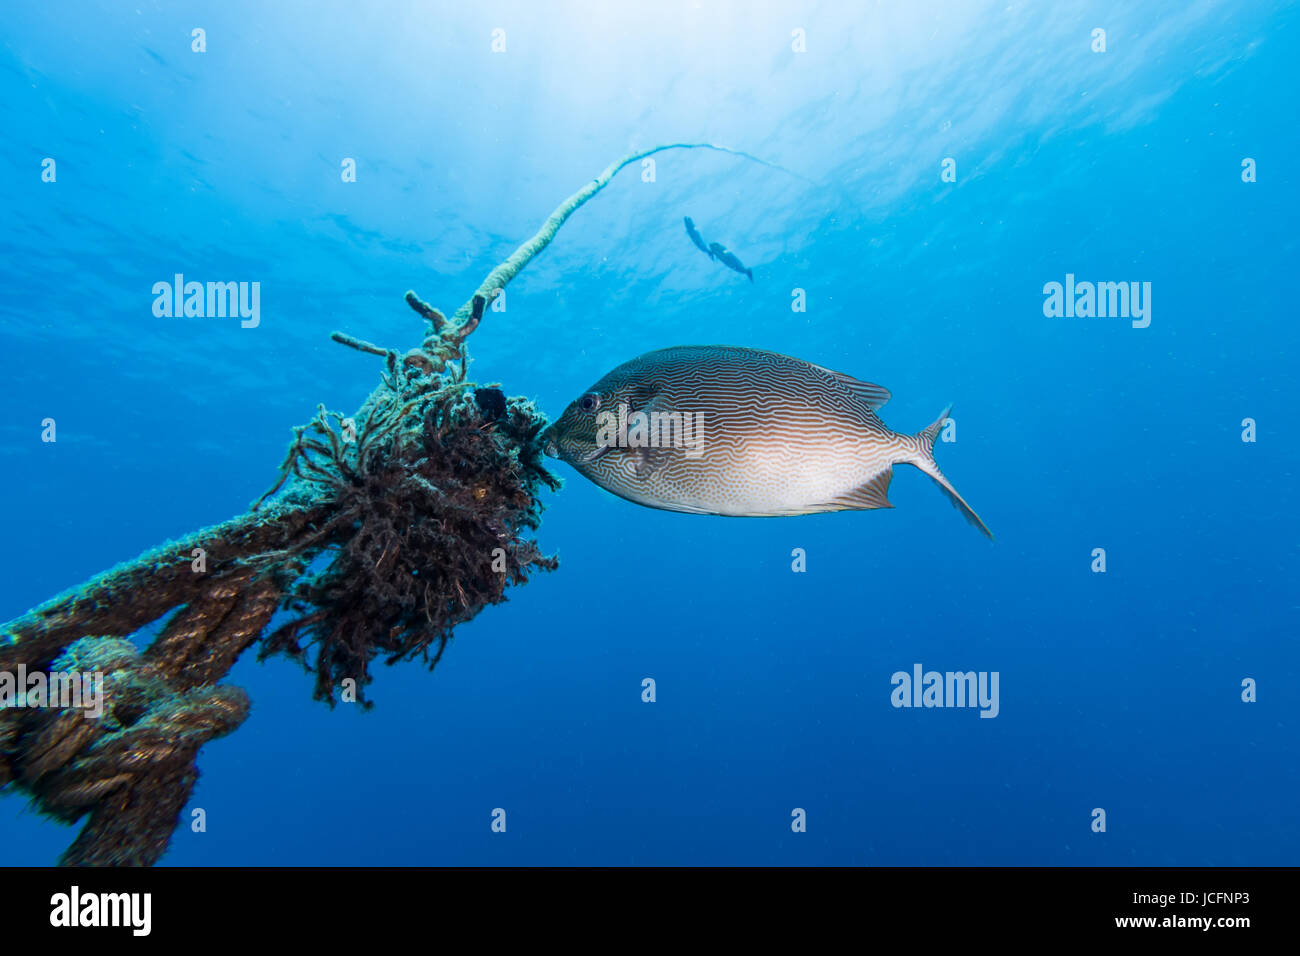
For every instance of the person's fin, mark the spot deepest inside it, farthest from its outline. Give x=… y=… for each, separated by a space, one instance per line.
x=924 y=460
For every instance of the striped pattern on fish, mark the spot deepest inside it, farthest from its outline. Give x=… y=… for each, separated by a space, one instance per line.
x=741 y=432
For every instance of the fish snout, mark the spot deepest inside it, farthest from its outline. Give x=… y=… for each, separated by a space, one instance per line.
x=550 y=445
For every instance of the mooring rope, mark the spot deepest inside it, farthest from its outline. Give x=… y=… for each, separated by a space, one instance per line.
x=425 y=513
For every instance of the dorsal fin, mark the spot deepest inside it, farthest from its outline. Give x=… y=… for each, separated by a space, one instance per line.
x=873 y=395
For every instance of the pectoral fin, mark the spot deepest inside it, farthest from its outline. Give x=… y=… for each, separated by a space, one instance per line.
x=647 y=461
x=646 y=458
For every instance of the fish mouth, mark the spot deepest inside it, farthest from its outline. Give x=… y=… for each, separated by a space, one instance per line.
x=550 y=443
x=547 y=439
x=599 y=452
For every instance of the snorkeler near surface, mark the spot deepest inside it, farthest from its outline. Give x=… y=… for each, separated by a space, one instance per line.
x=716 y=251
x=730 y=260
x=697 y=238
x=724 y=430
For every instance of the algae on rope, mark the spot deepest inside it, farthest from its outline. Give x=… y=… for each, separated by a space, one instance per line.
x=383 y=533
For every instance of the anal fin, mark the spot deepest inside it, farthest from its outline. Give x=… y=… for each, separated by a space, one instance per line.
x=874 y=494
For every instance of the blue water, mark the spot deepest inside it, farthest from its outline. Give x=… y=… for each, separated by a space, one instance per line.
x=1119 y=690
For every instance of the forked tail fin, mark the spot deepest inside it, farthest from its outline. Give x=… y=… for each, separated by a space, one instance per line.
x=924 y=459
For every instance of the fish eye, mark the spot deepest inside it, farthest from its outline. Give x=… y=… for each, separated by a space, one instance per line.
x=589 y=403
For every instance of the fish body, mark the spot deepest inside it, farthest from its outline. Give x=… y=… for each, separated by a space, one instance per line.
x=727 y=430
x=729 y=259
x=697 y=238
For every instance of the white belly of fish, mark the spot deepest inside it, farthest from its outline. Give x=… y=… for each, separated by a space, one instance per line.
x=757 y=477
